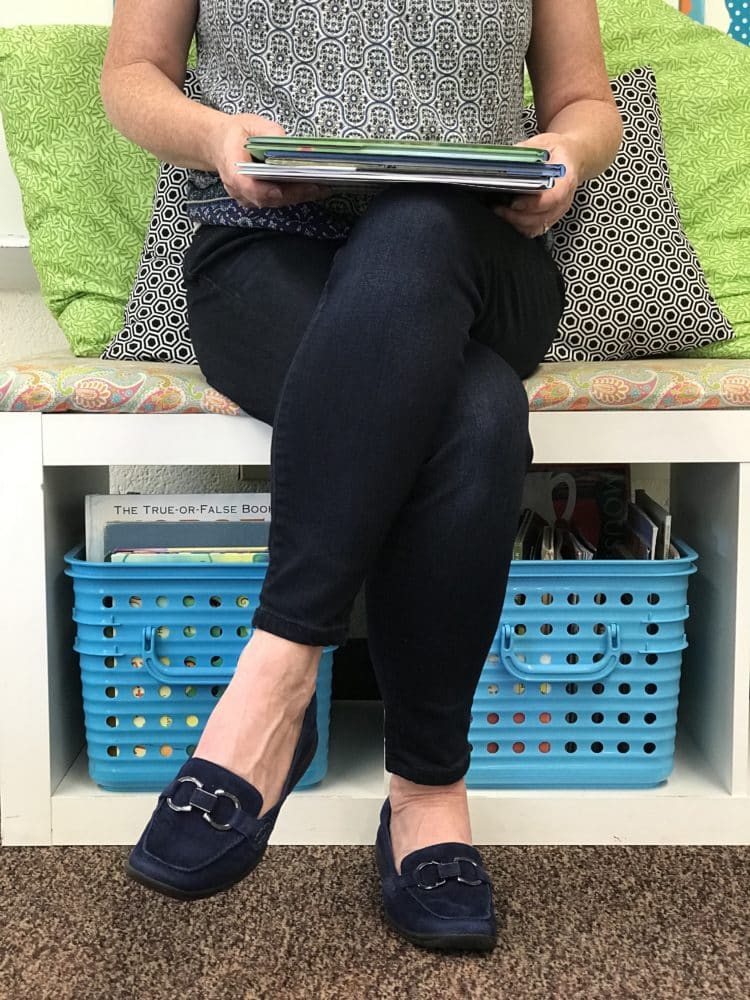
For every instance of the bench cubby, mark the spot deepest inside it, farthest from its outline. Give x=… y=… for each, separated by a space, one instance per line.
x=52 y=460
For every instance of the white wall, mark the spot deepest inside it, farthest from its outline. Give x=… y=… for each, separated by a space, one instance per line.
x=12 y=230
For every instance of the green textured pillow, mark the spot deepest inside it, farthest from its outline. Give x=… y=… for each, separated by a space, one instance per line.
x=703 y=81
x=86 y=190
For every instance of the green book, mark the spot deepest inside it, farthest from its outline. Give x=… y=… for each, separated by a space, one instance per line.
x=260 y=145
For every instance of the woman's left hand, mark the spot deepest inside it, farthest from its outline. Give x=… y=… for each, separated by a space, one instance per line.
x=533 y=214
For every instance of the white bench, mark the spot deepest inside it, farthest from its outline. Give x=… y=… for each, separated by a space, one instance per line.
x=51 y=460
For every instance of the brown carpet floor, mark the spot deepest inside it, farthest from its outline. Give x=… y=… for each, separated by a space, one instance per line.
x=584 y=923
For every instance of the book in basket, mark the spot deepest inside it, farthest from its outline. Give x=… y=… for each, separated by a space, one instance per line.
x=189 y=520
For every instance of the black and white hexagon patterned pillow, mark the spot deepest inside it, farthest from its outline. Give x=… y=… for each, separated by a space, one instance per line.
x=155 y=326
x=634 y=285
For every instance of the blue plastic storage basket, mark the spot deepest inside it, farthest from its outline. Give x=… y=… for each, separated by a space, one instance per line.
x=580 y=688
x=158 y=644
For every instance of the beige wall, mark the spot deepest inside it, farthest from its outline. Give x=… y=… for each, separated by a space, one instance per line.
x=26 y=326
x=37 y=12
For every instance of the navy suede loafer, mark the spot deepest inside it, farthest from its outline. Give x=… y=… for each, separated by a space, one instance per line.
x=205 y=835
x=442 y=898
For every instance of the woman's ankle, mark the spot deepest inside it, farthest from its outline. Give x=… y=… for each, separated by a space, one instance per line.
x=287 y=664
x=403 y=790
x=276 y=646
x=422 y=815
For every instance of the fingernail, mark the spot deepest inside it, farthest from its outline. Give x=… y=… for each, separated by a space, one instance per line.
x=275 y=194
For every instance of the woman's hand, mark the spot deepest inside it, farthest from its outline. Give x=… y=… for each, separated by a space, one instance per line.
x=229 y=148
x=533 y=214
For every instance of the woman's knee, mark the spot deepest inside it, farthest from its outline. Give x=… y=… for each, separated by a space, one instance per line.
x=498 y=396
x=430 y=218
x=492 y=416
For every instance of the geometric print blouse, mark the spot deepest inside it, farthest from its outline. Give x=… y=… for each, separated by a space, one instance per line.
x=440 y=70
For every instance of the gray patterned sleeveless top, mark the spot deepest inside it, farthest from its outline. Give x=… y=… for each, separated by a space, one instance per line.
x=449 y=70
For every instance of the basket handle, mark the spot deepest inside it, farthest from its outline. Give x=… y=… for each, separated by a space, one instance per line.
x=562 y=670
x=667 y=617
x=170 y=675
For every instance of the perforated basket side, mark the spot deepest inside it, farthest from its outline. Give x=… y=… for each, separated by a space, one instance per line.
x=581 y=685
x=138 y=735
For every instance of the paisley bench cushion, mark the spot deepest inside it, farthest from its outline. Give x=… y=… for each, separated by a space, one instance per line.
x=60 y=383
x=654 y=384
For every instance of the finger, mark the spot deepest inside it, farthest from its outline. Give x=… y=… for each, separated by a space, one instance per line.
x=548 y=209
x=526 y=220
x=526 y=227
x=292 y=193
x=526 y=233
x=524 y=203
x=252 y=193
x=518 y=215
x=259 y=125
x=272 y=128
x=544 y=202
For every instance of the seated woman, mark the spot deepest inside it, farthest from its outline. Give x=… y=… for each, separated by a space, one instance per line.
x=384 y=337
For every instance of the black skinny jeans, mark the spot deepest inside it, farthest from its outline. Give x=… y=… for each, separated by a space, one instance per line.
x=389 y=365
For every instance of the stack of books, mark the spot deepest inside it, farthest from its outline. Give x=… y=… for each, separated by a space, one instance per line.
x=176 y=528
x=343 y=162
x=583 y=512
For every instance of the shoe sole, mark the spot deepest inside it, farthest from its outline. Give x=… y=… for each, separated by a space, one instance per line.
x=438 y=942
x=446 y=942
x=187 y=894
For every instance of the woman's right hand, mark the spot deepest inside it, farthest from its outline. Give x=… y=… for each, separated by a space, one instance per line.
x=229 y=149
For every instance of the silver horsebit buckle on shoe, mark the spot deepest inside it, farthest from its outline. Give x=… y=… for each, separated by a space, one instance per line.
x=446 y=870
x=205 y=801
